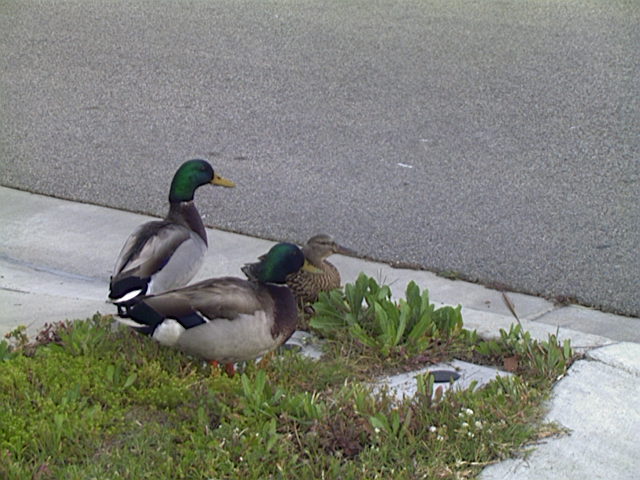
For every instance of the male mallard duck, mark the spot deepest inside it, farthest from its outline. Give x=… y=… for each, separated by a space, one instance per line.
x=226 y=319
x=165 y=254
x=307 y=285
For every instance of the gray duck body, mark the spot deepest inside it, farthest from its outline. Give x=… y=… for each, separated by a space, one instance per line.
x=164 y=254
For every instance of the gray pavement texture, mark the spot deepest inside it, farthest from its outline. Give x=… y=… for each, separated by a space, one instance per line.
x=496 y=139
x=56 y=257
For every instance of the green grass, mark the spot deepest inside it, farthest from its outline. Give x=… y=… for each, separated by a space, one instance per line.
x=86 y=400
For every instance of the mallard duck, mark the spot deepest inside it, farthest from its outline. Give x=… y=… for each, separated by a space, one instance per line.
x=165 y=254
x=226 y=319
x=307 y=285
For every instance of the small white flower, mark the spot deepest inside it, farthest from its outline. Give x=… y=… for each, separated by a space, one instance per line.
x=377 y=430
x=464 y=425
x=478 y=424
x=440 y=437
x=470 y=434
x=468 y=411
x=432 y=429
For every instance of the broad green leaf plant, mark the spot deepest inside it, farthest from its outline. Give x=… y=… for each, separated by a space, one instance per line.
x=366 y=312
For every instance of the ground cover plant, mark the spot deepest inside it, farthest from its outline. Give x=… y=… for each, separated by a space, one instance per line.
x=89 y=400
x=366 y=325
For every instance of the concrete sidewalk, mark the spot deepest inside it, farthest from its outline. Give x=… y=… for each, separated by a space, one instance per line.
x=56 y=257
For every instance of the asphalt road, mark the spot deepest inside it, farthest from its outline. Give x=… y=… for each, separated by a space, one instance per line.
x=496 y=139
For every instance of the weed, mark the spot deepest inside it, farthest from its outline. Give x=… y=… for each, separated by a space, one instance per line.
x=366 y=314
x=544 y=361
x=364 y=323
x=6 y=352
x=18 y=337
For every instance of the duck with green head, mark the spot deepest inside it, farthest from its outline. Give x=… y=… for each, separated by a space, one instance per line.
x=226 y=319
x=165 y=254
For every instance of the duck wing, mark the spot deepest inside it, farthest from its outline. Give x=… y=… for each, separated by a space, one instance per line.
x=147 y=251
x=149 y=247
x=207 y=301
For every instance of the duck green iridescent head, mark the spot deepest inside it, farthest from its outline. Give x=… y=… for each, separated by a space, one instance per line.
x=282 y=260
x=191 y=175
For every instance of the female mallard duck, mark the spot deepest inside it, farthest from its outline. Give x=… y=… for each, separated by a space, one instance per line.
x=307 y=285
x=226 y=319
x=165 y=254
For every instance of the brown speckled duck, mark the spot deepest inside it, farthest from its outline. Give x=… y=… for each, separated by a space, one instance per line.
x=307 y=285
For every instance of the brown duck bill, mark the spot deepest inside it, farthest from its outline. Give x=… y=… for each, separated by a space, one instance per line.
x=344 y=250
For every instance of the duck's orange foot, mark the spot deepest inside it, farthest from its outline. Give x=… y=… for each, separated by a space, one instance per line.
x=228 y=367
x=215 y=367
